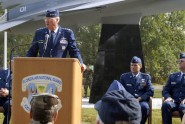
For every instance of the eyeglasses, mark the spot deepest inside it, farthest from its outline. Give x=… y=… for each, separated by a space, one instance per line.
x=180 y=61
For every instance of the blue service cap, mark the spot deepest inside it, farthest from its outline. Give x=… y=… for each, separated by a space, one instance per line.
x=52 y=13
x=182 y=55
x=136 y=59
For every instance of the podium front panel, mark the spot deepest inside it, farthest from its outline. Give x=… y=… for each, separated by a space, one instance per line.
x=59 y=76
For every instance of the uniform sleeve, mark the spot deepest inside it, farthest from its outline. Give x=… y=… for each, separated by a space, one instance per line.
x=73 y=50
x=167 y=88
x=122 y=79
x=149 y=91
x=33 y=50
x=8 y=82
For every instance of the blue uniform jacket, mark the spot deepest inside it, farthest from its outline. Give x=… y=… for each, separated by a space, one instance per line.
x=5 y=81
x=142 y=87
x=174 y=88
x=64 y=43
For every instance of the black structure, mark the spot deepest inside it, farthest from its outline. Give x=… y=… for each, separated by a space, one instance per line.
x=118 y=44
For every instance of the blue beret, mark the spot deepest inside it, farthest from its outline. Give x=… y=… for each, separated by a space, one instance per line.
x=118 y=105
x=136 y=59
x=182 y=55
x=52 y=13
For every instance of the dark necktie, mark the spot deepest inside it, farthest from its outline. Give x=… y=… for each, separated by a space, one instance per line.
x=182 y=79
x=51 y=39
x=135 y=79
x=52 y=36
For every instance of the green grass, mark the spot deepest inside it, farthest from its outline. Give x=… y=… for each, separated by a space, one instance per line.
x=157 y=94
x=1 y=118
x=89 y=117
x=157 y=118
x=89 y=114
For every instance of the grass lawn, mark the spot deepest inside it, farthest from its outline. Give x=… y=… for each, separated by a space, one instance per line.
x=89 y=114
x=157 y=94
x=89 y=117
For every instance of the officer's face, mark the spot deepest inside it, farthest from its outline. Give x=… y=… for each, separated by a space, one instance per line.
x=181 y=63
x=52 y=23
x=135 y=67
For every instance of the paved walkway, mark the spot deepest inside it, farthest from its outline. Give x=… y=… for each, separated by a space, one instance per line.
x=156 y=103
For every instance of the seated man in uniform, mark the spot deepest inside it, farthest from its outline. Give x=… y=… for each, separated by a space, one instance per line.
x=174 y=93
x=118 y=106
x=139 y=85
x=5 y=85
x=44 y=108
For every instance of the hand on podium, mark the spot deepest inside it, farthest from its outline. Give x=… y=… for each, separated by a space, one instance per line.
x=83 y=67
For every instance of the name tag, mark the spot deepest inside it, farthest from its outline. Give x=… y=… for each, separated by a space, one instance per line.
x=173 y=82
x=129 y=85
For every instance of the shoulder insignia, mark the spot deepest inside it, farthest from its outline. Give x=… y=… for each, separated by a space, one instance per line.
x=67 y=29
x=40 y=29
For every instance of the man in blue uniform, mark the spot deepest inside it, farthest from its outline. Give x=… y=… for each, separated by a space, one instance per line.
x=139 y=85
x=5 y=79
x=174 y=93
x=58 y=41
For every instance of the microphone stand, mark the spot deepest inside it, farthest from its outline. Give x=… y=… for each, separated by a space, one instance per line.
x=9 y=96
x=11 y=52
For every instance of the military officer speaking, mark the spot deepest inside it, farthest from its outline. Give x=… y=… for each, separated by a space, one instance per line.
x=139 y=85
x=58 y=41
x=174 y=93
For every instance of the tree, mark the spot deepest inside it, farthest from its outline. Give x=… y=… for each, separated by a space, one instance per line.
x=163 y=38
x=87 y=39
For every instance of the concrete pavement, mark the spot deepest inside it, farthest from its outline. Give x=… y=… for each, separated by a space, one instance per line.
x=156 y=103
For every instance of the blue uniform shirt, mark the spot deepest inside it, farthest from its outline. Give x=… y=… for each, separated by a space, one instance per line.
x=139 y=87
x=64 y=43
x=174 y=88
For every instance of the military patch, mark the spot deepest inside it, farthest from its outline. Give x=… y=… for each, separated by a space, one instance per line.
x=143 y=83
x=63 y=43
x=39 y=83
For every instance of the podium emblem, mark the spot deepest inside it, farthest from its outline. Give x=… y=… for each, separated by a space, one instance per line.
x=39 y=83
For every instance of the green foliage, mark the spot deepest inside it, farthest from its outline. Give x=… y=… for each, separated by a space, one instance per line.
x=87 y=38
x=162 y=38
x=14 y=40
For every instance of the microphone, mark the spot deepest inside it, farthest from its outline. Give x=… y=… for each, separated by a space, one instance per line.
x=46 y=41
x=33 y=43
x=45 y=44
x=11 y=52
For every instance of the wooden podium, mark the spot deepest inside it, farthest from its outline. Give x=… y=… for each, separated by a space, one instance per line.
x=60 y=76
